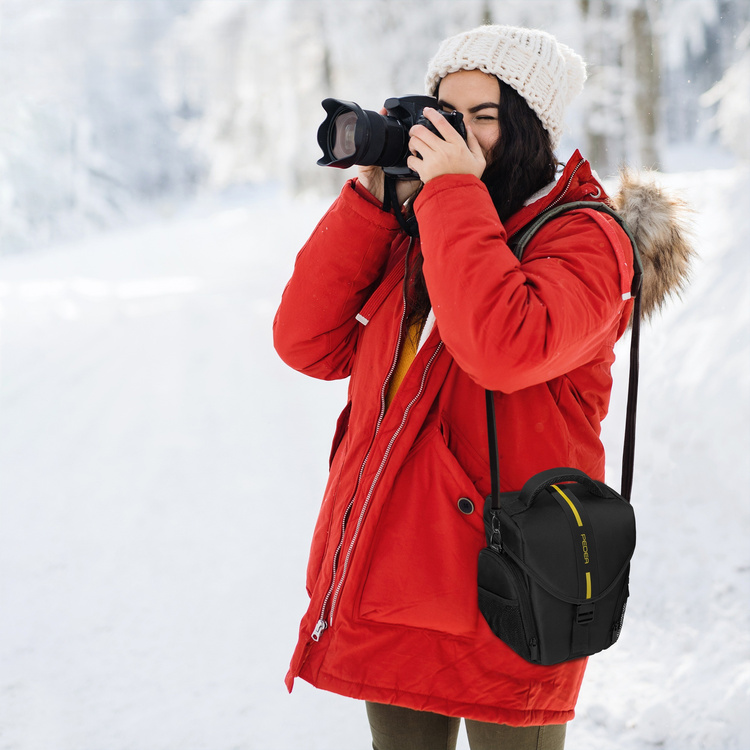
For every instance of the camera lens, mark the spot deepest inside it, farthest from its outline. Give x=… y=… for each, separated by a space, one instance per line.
x=344 y=128
x=351 y=135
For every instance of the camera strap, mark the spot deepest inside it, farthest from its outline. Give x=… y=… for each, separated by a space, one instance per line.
x=391 y=205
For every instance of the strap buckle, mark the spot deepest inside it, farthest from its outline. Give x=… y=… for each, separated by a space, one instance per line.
x=496 y=541
x=585 y=614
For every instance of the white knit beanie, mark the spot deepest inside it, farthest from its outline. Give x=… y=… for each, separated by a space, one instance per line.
x=547 y=74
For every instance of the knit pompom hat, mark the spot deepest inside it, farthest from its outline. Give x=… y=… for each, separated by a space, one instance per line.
x=546 y=73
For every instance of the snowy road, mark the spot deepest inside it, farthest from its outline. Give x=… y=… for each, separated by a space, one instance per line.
x=160 y=470
x=152 y=532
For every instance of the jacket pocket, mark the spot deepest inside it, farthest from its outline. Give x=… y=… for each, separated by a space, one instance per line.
x=422 y=570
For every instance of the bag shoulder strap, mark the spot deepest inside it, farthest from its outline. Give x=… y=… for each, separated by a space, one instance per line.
x=518 y=243
x=521 y=237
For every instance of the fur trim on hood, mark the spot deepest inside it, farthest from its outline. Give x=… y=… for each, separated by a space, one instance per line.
x=662 y=226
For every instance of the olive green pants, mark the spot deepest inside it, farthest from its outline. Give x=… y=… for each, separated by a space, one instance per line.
x=397 y=728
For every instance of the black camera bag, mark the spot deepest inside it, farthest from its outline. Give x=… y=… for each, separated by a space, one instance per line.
x=553 y=579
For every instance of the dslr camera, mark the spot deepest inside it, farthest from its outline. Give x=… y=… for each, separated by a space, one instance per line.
x=351 y=135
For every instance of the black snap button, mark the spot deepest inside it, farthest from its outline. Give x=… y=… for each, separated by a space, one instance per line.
x=465 y=505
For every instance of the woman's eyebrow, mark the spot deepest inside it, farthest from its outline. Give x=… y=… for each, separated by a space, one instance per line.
x=485 y=105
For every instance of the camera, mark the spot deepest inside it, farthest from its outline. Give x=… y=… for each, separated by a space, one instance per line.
x=351 y=135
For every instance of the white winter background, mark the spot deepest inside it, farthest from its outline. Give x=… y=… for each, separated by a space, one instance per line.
x=160 y=468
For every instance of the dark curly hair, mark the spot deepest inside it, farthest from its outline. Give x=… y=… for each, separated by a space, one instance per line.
x=522 y=160
x=520 y=163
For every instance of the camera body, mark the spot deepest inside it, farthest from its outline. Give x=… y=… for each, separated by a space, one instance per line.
x=351 y=135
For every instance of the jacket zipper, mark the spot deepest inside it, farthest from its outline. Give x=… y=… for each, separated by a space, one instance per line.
x=378 y=473
x=322 y=624
x=570 y=181
x=332 y=595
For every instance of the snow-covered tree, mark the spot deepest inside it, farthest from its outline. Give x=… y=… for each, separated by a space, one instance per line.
x=105 y=104
x=84 y=132
x=249 y=77
x=699 y=43
x=642 y=59
x=605 y=117
x=732 y=97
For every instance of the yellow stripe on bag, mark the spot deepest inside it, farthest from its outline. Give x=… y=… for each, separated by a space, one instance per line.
x=580 y=523
x=570 y=503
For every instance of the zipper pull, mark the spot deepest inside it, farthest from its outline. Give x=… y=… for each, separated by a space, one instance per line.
x=534 y=648
x=319 y=628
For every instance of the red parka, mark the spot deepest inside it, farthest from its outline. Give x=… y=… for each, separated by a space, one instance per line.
x=393 y=615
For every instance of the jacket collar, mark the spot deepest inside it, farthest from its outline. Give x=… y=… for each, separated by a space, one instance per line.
x=576 y=183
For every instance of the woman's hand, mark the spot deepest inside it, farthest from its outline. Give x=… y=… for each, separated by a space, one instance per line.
x=373 y=180
x=447 y=155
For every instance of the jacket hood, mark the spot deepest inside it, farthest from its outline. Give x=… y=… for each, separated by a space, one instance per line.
x=662 y=226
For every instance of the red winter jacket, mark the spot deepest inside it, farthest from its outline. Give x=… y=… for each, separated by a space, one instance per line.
x=393 y=616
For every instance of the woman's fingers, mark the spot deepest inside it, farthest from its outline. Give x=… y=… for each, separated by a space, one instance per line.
x=473 y=144
x=424 y=135
x=446 y=130
x=444 y=152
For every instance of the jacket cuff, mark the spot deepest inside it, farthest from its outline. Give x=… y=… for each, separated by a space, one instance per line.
x=448 y=182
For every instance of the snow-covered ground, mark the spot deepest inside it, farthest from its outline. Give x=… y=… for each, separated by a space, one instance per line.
x=160 y=471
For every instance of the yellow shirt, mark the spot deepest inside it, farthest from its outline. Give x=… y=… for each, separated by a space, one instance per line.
x=406 y=356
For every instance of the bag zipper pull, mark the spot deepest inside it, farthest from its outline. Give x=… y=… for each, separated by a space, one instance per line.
x=319 y=628
x=534 y=648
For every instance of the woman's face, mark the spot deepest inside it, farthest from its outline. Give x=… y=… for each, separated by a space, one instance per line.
x=476 y=95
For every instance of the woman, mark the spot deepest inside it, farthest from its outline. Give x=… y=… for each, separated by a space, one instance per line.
x=421 y=328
